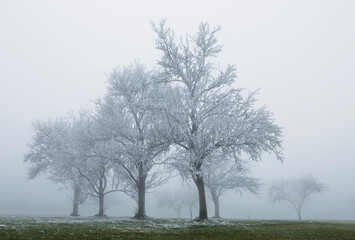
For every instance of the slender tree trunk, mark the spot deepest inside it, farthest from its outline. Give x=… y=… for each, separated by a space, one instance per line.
x=178 y=213
x=201 y=197
x=299 y=214
x=141 y=199
x=190 y=210
x=215 y=199
x=76 y=201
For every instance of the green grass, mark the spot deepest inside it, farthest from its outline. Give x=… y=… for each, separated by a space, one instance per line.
x=125 y=228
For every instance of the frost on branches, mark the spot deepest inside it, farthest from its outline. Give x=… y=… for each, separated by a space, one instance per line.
x=69 y=152
x=187 y=113
x=202 y=110
x=125 y=115
x=51 y=152
x=99 y=172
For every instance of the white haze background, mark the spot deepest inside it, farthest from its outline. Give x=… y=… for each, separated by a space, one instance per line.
x=55 y=56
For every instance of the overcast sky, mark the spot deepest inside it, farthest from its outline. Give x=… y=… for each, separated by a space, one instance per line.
x=55 y=56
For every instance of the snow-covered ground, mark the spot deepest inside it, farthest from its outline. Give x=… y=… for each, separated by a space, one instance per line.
x=124 y=223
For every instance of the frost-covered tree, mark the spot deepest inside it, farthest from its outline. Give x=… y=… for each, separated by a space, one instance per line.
x=68 y=151
x=100 y=177
x=227 y=175
x=125 y=116
x=51 y=153
x=202 y=111
x=90 y=146
x=295 y=191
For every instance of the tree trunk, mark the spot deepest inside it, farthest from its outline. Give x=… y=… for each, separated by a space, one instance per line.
x=75 y=209
x=141 y=199
x=101 y=198
x=190 y=210
x=101 y=207
x=215 y=199
x=76 y=201
x=178 y=213
x=299 y=214
x=201 y=197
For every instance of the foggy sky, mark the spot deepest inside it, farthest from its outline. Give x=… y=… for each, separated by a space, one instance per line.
x=55 y=56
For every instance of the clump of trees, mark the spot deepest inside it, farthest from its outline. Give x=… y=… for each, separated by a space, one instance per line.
x=70 y=152
x=295 y=191
x=186 y=114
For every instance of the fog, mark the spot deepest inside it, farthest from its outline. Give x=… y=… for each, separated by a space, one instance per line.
x=55 y=57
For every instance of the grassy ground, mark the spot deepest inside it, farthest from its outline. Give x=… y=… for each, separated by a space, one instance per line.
x=125 y=228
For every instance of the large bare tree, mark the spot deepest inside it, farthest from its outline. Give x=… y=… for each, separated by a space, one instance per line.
x=203 y=112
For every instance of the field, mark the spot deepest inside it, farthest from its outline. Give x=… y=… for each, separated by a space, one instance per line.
x=18 y=227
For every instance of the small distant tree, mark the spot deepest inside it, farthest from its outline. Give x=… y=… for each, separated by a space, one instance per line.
x=295 y=191
x=191 y=200
x=171 y=200
x=227 y=175
x=177 y=200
